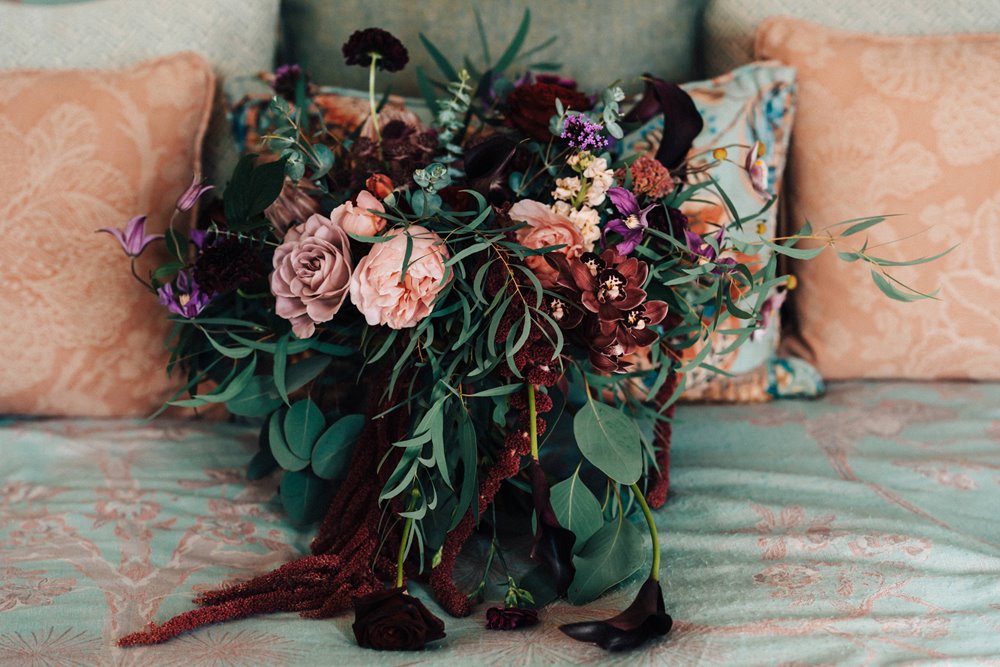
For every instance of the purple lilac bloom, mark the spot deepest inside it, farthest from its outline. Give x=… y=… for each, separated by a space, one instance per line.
x=184 y=297
x=583 y=134
x=133 y=239
x=633 y=223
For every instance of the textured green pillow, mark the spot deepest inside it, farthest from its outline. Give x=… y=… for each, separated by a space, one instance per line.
x=598 y=42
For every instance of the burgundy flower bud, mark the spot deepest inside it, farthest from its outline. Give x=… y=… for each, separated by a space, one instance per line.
x=510 y=618
x=379 y=185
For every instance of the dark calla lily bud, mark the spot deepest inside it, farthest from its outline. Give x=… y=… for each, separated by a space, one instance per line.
x=646 y=618
x=681 y=120
x=553 y=544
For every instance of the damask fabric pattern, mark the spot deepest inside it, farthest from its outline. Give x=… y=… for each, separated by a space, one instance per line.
x=904 y=125
x=856 y=530
x=730 y=25
x=85 y=149
x=237 y=36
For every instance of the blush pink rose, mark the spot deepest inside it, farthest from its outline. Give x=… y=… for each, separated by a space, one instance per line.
x=386 y=297
x=355 y=218
x=312 y=274
x=545 y=228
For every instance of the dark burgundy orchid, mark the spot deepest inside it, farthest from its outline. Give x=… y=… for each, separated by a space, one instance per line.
x=565 y=310
x=632 y=224
x=646 y=618
x=609 y=283
x=553 y=544
x=681 y=120
x=634 y=329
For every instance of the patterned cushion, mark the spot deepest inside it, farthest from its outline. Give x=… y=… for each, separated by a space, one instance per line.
x=85 y=149
x=236 y=36
x=907 y=125
x=595 y=50
x=751 y=103
x=730 y=24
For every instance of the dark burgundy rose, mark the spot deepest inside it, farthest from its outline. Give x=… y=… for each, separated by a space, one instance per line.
x=645 y=619
x=530 y=106
x=681 y=120
x=510 y=618
x=393 y=620
x=360 y=46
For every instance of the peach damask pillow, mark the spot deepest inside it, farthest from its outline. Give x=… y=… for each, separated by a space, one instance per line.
x=907 y=125
x=84 y=149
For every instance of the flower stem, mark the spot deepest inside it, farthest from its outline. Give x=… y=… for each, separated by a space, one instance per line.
x=532 y=422
x=135 y=274
x=371 y=99
x=655 y=572
x=407 y=529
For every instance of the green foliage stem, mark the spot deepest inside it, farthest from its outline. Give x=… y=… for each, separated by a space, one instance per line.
x=654 y=573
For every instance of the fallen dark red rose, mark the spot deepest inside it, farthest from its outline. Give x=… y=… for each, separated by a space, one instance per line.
x=510 y=618
x=645 y=619
x=393 y=620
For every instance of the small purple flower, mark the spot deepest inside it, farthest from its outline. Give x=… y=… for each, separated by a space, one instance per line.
x=187 y=200
x=286 y=81
x=757 y=170
x=706 y=251
x=583 y=134
x=184 y=297
x=133 y=239
x=632 y=225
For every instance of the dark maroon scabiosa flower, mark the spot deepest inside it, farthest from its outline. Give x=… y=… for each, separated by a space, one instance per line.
x=646 y=618
x=393 y=620
x=286 y=81
x=510 y=618
x=228 y=264
x=363 y=45
x=405 y=148
x=529 y=107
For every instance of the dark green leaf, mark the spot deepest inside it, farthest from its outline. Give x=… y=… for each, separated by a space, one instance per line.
x=304 y=423
x=302 y=494
x=609 y=439
x=612 y=555
x=577 y=509
x=280 y=450
x=507 y=57
x=332 y=453
x=439 y=59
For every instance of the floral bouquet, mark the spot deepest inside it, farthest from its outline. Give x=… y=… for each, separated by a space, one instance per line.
x=477 y=326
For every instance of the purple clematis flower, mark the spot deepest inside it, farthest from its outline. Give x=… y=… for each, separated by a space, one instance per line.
x=757 y=170
x=190 y=196
x=767 y=314
x=184 y=297
x=632 y=225
x=705 y=250
x=133 y=239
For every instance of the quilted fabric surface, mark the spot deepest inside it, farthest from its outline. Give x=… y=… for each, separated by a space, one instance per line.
x=860 y=529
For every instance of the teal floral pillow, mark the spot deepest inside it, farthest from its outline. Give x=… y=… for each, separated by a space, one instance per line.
x=750 y=109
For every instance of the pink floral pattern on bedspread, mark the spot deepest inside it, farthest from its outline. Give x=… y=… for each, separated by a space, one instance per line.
x=855 y=530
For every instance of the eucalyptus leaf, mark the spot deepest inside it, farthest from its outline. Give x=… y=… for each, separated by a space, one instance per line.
x=280 y=450
x=302 y=493
x=303 y=424
x=612 y=555
x=577 y=509
x=609 y=439
x=332 y=453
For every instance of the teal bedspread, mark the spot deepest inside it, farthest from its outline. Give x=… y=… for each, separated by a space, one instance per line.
x=859 y=529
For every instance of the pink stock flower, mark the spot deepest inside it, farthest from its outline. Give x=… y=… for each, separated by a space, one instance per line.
x=356 y=218
x=190 y=196
x=381 y=291
x=133 y=239
x=312 y=274
x=545 y=228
